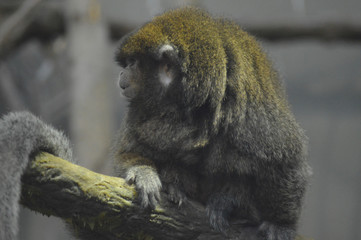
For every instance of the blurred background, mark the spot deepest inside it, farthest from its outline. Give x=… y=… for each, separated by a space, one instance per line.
x=56 y=60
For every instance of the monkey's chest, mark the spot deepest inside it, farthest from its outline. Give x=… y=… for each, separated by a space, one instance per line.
x=182 y=140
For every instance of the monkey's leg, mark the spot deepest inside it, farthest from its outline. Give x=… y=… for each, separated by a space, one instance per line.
x=270 y=231
x=219 y=208
x=231 y=199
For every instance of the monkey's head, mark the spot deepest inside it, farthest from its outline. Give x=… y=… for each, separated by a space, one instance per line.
x=178 y=57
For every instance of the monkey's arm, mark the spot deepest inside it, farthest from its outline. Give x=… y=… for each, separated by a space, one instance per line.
x=127 y=160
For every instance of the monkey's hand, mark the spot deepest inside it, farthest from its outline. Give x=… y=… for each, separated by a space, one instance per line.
x=175 y=194
x=147 y=183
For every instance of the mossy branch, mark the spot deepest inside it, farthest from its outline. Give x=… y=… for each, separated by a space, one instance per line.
x=103 y=204
x=107 y=206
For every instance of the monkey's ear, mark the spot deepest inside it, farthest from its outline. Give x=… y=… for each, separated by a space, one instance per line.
x=166 y=74
x=165 y=48
x=167 y=52
x=169 y=61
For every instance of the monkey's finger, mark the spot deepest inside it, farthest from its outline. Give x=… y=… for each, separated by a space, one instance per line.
x=180 y=202
x=157 y=196
x=152 y=200
x=144 y=200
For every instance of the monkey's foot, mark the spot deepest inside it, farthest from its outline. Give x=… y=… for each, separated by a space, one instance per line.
x=219 y=207
x=217 y=220
x=175 y=194
x=147 y=183
x=271 y=231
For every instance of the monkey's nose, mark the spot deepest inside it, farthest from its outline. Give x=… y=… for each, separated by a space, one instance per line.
x=123 y=84
x=123 y=81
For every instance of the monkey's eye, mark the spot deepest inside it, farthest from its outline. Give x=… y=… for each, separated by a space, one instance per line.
x=130 y=61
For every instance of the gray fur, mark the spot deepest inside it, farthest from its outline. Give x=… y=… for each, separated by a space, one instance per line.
x=22 y=135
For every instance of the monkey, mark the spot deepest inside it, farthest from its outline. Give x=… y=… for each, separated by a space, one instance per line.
x=208 y=120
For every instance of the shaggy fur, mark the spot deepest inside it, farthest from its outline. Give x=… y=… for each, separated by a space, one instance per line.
x=220 y=132
x=22 y=135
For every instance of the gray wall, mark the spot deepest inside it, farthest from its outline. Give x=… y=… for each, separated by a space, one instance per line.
x=324 y=87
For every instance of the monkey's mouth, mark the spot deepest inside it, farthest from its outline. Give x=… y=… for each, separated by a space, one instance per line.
x=126 y=89
x=128 y=92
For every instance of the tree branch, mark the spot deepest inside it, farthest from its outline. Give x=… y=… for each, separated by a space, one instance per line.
x=337 y=31
x=103 y=204
x=107 y=206
x=16 y=24
x=51 y=23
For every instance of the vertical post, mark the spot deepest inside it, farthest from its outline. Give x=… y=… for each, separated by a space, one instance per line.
x=91 y=117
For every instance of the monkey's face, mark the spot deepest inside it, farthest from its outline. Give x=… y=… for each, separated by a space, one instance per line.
x=149 y=77
x=128 y=76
